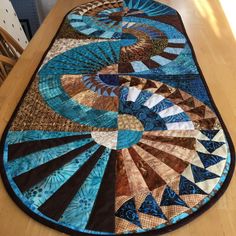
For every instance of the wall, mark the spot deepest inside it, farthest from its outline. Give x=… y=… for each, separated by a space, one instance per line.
x=10 y=22
x=27 y=10
x=44 y=7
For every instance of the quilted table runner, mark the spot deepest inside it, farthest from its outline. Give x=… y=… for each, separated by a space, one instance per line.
x=117 y=132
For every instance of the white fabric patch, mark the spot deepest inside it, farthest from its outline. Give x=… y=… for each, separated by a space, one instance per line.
x=180 y=126
x=208 y=185
x=107 y=139
x=153 y=100
x=174 y=110
x=133 y=94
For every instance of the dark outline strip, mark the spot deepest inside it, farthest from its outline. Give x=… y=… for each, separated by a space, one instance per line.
x=150 y=233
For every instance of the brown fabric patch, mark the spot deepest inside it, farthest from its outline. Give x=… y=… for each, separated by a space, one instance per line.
x=200 y=111
x=122 y=182
x=34 y=114
x=152 y=179
x=129 y=122
x=172 y=211
x=72 y=84
x=170 y=20
x=193 y=199
x=188 y=143
x=176 y=164
x=149 y=221
x=124 y=226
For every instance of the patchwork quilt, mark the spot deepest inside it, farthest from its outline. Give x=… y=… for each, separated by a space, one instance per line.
x=117 y=132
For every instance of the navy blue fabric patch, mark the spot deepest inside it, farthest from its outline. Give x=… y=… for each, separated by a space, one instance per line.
x=200 y=174
x=128 y=212
x=151 y=207
x=187 y=187
x=170 y=198
x=210 y=133
x=211 y=146
x=209 y=159
x=110 y=79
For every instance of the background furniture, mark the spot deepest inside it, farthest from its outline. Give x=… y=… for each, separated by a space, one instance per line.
x=12 y=39
x=10 y=51
x=10 y=22
x=32 y=13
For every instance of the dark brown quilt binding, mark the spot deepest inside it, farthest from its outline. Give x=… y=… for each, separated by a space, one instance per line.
x=150 y=233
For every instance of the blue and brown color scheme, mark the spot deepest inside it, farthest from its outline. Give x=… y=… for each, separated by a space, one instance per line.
x=117 y=133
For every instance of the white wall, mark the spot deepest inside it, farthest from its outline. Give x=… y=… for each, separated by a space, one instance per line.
x=44 y=7
x=10 y=22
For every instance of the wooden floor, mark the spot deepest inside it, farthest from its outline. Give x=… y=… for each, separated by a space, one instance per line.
x=214 y=40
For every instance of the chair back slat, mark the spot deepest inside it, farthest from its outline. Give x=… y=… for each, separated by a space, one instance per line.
x=10 y=51
x=11 y=41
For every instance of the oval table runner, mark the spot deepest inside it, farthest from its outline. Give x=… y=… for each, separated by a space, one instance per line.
x=117 y=132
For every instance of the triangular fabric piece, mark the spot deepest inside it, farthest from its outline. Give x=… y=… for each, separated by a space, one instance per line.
x=210 y=133
x=176 y=95
x=193 y=199
x=189 y=102
x=211 y=146
x=163 y=89
x=169 y=198
x=109 y=90
x=200 y=111
x=148 y=221
x=122 y=225
x=187 y=187
x=217 y=168
x=172 y=211
x=99 y=91
x=135 y=82
x=150 y=207
x=209 y=159
x=208 y=185
x=123 y=80
x=140 y=198
x=105 y=93
x=149 y=84
x=121 y=200
x=200 y=174
x=128 y=212
x=102 y=90
x=207 y=123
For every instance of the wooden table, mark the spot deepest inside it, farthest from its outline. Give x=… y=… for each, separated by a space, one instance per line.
x=215 y=46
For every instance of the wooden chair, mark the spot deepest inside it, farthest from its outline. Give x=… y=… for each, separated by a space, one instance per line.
x=10 y=51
